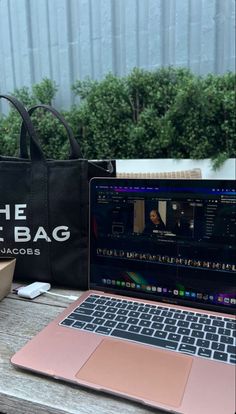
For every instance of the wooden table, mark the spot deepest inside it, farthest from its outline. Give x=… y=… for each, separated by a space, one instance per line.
x=26 y=393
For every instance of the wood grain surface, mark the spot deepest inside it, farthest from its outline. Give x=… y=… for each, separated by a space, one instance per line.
x=24 y=393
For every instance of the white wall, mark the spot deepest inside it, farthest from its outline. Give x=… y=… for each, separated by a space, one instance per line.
x=67 y=40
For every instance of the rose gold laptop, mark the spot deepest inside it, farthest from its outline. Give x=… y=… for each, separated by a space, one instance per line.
x=158 y=324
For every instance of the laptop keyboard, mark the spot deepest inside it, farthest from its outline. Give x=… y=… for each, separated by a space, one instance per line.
x=193 y=333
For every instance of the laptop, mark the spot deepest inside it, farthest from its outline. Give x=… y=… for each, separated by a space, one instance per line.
x=157 y=324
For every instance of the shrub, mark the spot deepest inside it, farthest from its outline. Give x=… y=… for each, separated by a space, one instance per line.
x=203 y=118
x=105 y=116
x=167 y=113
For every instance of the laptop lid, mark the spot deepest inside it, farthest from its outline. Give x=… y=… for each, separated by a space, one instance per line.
x=165 y=240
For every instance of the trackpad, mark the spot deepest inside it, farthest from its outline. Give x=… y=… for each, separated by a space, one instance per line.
x=137 y=371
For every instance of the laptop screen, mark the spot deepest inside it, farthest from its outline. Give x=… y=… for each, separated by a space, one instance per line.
x=167 y=240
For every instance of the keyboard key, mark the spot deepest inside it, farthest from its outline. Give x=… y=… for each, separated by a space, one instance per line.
x=183 y=324
x=226 y=340
x=84 y=311
x=67 y=322
x=160 y=334
x=132 y=321
x=217 y=346
x=146 y=331
x=122 y=312
x=157 y=325
x=100 y=308
x=123 y=326
x=111 y=324
x=169 y=321
x=100 y=301
x=188 y=340
x=111 y=302
x=205 y=321
x=90 y=327
x=120 y=318
x=170 y=328
x=110 y=316
x=145 y=316
x=158 y=318
x=221 y=356
x=189 y=349
x=178 y=316
x=132 y=307
x=174 y=337
x=203 y=343
x=150 y=340
x=134 y=328
x=105 y=330
x=133 y=314
x=167 y=314
x=223 y=331
x=192 y=318
x=212 y=337
x=231 y=349
x=145 y=323
x=209 y=328
x=232 y=359
x=86 y=305
x=197 y=334
x=183 y=331
x=83 y=318
x=230 y=325
x=111 y=309
x=197 y=326
x=121 y=305
x=153 y=311
x=216 y=322
x=143 y=309
x=98 y=314
x=78 y=325
x=90 y=299
x=204 y=352
x=99 y=321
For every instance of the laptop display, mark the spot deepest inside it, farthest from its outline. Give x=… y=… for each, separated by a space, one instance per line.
x=165 y=240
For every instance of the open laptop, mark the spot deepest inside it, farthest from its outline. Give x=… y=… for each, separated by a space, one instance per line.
x=158 y=325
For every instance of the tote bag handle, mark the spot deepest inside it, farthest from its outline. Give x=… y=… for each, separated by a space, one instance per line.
x=35 y=150
x=75 y=151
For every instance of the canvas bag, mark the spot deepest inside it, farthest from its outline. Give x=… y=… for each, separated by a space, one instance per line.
x=44 y=208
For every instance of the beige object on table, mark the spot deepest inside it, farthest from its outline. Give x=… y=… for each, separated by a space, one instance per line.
x=195 y=173
x=7 y=267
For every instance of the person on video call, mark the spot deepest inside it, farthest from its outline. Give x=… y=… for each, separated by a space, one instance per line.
x=156 y=222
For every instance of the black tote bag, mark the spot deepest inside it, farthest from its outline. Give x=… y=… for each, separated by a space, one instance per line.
x=44 y=208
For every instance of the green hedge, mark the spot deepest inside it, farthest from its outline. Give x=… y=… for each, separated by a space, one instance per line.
x=167 y=113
